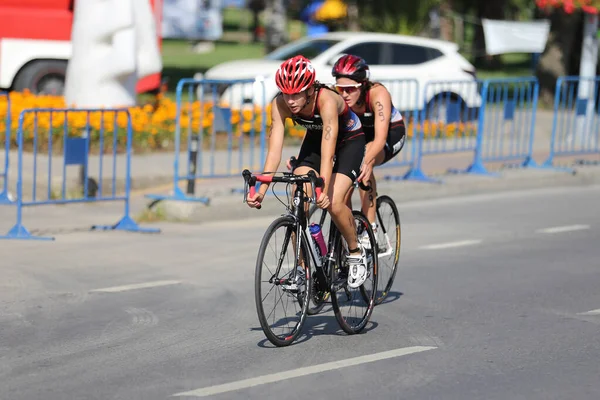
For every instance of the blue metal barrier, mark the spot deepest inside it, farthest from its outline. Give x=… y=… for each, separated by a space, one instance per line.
x=447 y=123
x=506 y=129
x=405 y=97
x=5 y=131
x=575 y=128
x=240 y=96
x=73 y=129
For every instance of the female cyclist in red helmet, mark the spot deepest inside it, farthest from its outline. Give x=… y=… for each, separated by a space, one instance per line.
x=332 y=131
x=382 y=123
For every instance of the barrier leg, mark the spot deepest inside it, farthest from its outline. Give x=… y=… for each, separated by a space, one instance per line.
x=477 y=168
x=127 y=223
x=21 y=233
x=415 y=173
x=549 y=164
x=178 y=194
x=4 y=198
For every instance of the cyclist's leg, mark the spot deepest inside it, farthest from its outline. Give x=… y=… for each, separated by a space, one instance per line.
x=349 y=197
x=349 y=156
x=393 y=146
x=369 y=199
x=341 y=214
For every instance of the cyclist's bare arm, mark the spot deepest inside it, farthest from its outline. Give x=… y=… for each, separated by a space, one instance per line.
x=381 y=104
x=329 y=108
x=276 y=135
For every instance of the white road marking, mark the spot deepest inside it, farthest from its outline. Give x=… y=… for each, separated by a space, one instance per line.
x=294 y=373
x=560 y=229
x=593 y=312
x=449 y=245
x=135 y=286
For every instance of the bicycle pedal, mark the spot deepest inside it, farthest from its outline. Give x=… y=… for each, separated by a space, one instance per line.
x=289 y=286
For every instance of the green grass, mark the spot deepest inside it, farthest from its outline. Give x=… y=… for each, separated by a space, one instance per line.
x=513 y=65
x=235 y=19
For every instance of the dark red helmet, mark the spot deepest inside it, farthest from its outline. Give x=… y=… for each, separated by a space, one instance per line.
x=295 y=75
x=352 y=67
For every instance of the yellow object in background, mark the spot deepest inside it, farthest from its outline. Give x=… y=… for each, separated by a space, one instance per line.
x=331 y=10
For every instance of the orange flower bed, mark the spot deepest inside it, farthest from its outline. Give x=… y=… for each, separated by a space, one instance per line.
x=153 y=125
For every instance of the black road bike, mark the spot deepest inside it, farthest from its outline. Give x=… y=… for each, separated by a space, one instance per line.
x=291 y=270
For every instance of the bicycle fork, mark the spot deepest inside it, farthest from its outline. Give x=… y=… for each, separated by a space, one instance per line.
x=275 y=279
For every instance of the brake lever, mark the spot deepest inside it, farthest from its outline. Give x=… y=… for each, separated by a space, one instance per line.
x=317 y=184
x=246 y=174
x=364 y=187
x=313 y=183
x=293 y=161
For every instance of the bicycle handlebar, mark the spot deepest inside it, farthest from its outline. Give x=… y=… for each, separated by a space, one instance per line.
x=250 y=180
x=361 y=185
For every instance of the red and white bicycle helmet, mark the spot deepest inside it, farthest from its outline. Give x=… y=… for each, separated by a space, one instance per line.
x=351 y=67
x=295 y=75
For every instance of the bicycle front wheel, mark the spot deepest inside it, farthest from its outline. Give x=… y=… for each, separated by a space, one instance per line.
x=388 y=245
x=282 y=282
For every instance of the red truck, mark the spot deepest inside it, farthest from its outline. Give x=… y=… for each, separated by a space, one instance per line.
x=35 y=45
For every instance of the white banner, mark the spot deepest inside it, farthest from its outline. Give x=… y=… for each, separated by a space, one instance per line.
x=515 y=36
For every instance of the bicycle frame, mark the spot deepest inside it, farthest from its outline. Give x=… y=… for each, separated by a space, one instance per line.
x=297 y=211
x=301 y=219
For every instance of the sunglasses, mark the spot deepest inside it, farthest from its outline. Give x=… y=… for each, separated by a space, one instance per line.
x=348 y=88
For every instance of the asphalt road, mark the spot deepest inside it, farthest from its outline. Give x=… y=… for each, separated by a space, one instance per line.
x=488 y=304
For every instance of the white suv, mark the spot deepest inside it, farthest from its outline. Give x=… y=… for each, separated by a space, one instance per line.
x=405 y=60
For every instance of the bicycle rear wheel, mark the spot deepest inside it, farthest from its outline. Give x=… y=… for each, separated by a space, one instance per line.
x=277 y=276
x=353 y=307
x=388 y=244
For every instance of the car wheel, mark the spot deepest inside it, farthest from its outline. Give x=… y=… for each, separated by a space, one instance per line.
x=42 y=77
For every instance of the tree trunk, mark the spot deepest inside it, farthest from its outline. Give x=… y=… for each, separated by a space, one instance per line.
x=489 y=10
x=255 y=26
x=353 y=20
x=560 y=57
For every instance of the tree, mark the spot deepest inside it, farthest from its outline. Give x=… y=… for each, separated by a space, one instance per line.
x=562 y=53
x=489 y=10
x=393 y=16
